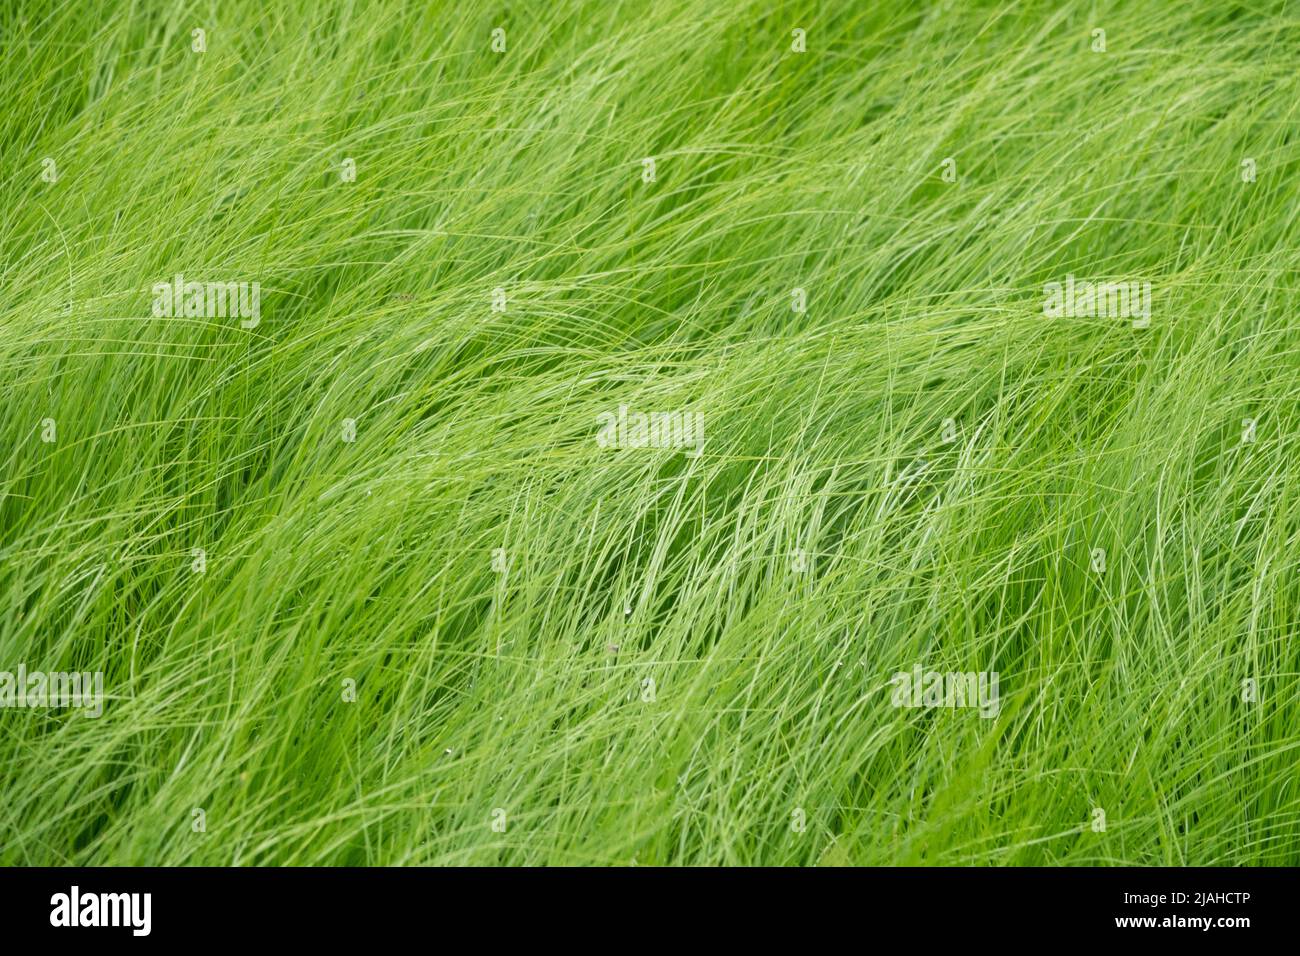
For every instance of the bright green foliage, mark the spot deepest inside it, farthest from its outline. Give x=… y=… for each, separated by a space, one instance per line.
x=835 y=529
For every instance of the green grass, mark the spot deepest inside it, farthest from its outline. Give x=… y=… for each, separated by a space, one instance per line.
x=371 y=561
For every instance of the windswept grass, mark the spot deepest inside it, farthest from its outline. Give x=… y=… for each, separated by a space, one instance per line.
x=686 y=655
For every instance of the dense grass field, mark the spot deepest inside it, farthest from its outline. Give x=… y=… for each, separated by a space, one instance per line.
x=633 y=406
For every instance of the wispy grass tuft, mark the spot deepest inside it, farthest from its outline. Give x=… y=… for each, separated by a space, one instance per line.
x=673 y=658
